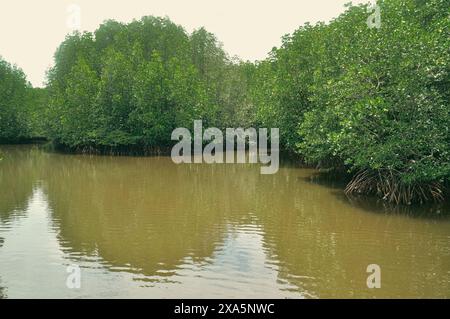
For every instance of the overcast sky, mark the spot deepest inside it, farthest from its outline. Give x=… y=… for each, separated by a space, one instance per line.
x=31 y=30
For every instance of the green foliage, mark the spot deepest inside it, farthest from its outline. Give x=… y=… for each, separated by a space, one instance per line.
x=133 y=84
x=37 y=101
x=13 y=104
x=373 y=101
x=369 y=99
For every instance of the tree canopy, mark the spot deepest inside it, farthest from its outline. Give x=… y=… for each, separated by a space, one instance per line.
x=375 y=101
x=132 y=84
x=13 y=103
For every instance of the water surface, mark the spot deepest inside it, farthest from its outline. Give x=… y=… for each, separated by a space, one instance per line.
x=144 y=227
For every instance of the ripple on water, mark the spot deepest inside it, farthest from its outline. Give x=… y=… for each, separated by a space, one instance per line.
x=144 y=227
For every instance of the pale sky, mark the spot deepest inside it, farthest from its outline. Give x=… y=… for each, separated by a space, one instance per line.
x=31 y=30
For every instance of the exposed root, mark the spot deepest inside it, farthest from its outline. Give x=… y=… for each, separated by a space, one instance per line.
x=388 y=185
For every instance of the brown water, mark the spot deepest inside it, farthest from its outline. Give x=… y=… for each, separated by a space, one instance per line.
x=147 y=228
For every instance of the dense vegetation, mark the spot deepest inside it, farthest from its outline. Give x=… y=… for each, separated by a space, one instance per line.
x=127 y=86
x=373 y=102
x=21 y=106
x=13 y=97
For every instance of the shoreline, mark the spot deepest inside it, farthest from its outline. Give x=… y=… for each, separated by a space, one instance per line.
x=325 y=175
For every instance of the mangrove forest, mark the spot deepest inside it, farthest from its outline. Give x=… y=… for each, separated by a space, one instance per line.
x=370 y=102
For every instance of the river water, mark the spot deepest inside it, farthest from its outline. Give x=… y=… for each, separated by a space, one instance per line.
x=144 y=227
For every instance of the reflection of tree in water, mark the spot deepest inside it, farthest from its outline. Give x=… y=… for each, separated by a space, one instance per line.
x=2 y=289
x=324 y=245
x=149 y=215
x=19 y=170
x=145 y=214
x=373 y=204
